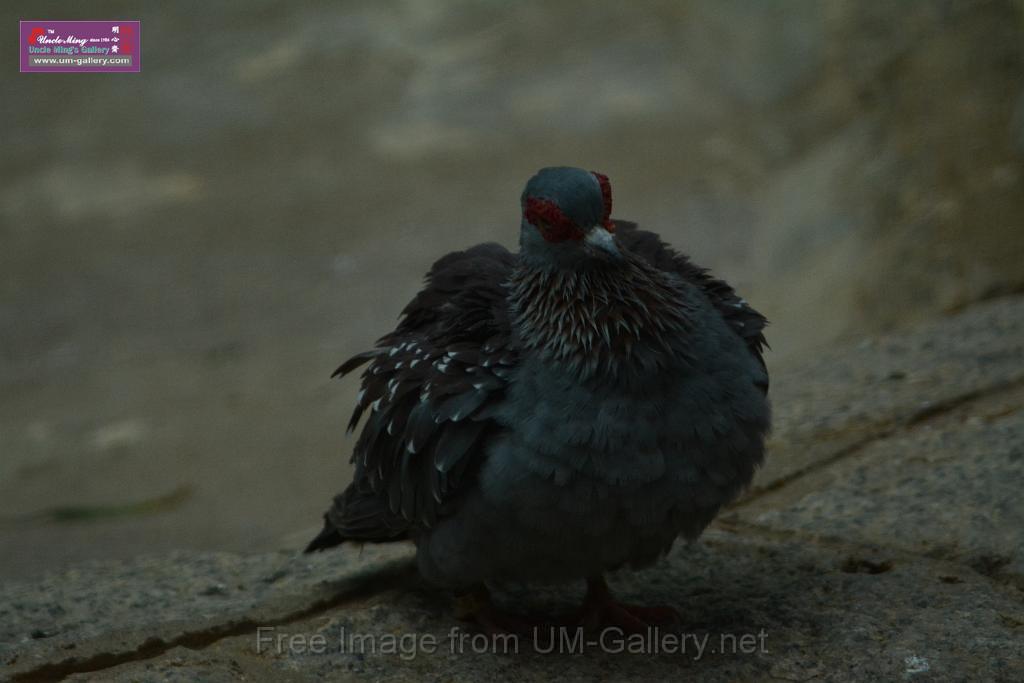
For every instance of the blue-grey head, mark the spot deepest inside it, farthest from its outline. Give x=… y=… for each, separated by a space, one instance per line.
x=567 y=218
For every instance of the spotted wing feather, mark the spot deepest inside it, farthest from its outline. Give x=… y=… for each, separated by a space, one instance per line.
x=425 y=396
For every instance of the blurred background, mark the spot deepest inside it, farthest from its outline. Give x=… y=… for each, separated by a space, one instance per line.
x=187 y=253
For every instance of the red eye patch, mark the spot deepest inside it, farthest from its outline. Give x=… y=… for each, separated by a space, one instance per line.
x=554 y=226
x=606 y=195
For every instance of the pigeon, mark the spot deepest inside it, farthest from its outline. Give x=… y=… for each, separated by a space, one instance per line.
x=557 y=413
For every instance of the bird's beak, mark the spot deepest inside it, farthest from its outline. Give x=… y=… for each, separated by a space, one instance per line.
x=603 y=241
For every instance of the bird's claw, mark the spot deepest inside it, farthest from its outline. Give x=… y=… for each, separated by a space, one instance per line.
x=600 y=610
x=478 y=608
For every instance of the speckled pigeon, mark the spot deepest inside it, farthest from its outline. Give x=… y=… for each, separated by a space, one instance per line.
x=557 y=413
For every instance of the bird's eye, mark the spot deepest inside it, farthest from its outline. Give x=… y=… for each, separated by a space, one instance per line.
x=549 y=220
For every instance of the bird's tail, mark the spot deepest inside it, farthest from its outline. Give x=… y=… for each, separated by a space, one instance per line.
x=358 y=516
x=327 y=538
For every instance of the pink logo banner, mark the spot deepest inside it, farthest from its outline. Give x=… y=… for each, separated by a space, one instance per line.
x=73 y=46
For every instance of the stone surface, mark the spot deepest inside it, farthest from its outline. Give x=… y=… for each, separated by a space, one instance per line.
x=884 y=546
x=950 y=488
x=152 y=603
x=840 y=400
x=795 y=611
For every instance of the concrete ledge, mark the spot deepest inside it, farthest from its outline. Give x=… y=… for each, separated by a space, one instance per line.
x=882 y=541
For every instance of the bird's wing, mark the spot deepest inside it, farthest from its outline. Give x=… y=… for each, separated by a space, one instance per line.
x=427 y=395
x=741 y=317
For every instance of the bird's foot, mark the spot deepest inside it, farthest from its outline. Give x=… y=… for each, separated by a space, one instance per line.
x=600 y=610
x=478 y=608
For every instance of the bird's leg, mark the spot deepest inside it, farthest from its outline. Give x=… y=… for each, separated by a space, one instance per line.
x=601 y=610
x=477 y=607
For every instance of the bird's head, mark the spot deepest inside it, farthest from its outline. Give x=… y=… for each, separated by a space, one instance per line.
x=567 y=218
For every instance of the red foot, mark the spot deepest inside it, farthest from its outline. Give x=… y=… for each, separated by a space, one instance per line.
x=476 y=607
x=601 y=610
